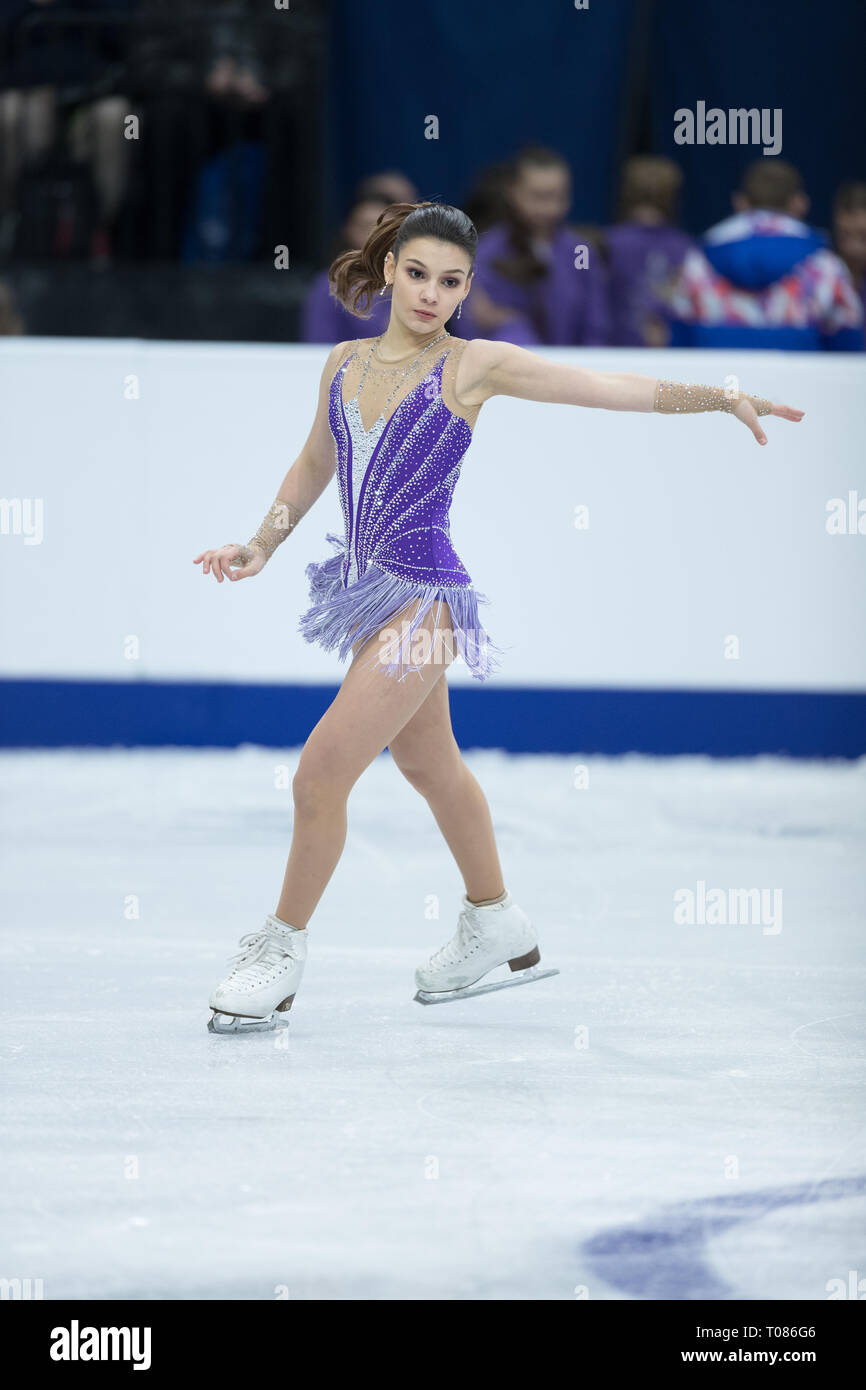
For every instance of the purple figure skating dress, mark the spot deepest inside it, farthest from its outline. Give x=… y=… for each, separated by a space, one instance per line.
x=396 y=474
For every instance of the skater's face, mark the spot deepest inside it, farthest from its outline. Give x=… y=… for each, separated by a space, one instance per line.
x=432 y=276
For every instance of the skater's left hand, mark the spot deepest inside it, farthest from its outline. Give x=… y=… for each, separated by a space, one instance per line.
x=219 y=562
x=746 y=412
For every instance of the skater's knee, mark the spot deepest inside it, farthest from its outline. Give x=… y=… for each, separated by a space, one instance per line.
x=427 y=775
x=316 y=787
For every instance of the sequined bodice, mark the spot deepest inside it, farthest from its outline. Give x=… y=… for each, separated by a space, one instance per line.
x=397 y=477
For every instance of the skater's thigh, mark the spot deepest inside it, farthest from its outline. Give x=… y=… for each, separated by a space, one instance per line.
x=429 y=641
x=425 y=749
x=371 y=707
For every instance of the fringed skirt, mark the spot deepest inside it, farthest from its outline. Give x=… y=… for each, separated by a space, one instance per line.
x=342 y=618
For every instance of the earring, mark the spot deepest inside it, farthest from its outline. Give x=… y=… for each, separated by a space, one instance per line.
x=460 y=310
x=384 y=287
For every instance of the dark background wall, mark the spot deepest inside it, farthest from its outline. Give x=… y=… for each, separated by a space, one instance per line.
x=596 y=84
x=806 y=58
x=354 y=87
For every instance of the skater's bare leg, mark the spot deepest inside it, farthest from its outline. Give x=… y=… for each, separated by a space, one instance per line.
x=427 y=753
x=368 y=712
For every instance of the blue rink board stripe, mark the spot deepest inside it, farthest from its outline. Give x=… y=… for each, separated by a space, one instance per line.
x=72 y=713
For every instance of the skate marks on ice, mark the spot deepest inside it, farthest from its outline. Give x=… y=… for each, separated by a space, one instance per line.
x=839 y=1037
x=668 y=1256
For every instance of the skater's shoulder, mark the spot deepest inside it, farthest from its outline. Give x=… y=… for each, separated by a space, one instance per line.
x=340 y=351
x=337 y=357
x=468 y=368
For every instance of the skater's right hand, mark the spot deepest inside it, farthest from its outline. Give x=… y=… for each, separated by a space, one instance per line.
x=746 y=412
x=219 y=562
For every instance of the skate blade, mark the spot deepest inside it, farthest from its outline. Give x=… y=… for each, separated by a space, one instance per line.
x=234 y=1023
x=523 y=977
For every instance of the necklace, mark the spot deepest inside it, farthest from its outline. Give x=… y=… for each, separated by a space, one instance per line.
x=396 y=367
x=390 y=370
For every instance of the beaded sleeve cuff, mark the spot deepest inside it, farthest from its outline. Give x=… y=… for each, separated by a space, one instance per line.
x=280 y=519
x=682 y=398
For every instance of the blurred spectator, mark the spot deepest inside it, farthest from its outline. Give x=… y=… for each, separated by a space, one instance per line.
x=236 y=68
x=11 y=322
x=324 y=319
x=486 y=201
x=214 y=179
x=169 y=59
x=849 y=232
x=209 y=173
x=527 y=288
x=237 y=51
x=390 y=184
x=645 y=251
x=764 y=278
x=63 y=158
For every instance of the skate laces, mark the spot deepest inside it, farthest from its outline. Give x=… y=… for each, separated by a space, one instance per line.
x=259 y=952
x=454 y=950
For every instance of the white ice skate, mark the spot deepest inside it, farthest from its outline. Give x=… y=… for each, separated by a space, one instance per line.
x=497 y=940
x=263 y=983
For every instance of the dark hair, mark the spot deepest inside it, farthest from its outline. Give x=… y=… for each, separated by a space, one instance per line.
x=535 y=157
x=485 y=200
x=850 y=197
x=338 y=243
x=356 y=275
x=771 y=184
x=520 y=263
x=651 y=180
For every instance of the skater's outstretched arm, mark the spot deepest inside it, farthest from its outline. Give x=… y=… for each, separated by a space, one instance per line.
x=504 y=369
x=304 y=483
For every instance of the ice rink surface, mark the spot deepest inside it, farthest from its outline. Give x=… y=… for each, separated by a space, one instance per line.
x=678 y=1114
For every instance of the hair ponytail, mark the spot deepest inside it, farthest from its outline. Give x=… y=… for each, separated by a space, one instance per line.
x=356 y=276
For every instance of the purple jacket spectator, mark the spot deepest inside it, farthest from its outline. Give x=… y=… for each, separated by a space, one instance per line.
x=566 y=307
x=643 y=265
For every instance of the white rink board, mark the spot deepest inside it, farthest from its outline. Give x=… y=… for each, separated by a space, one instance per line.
x=696 y=533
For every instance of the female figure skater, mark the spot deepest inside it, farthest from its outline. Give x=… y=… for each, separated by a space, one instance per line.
x=394 y=421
